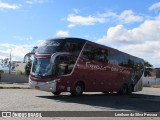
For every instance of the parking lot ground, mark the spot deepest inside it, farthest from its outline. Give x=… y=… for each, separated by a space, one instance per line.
x=147 y=100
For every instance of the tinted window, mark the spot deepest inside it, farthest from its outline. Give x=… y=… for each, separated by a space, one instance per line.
x=41 y=67
x=100 y=54
x=73 y=46
x=125 y=61
x=115 y=58
x=88 y=53
x=49 y=46
x=95 y=53
x=61 y=45
x=64 y=64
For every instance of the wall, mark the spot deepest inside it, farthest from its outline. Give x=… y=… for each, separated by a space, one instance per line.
x=14 y=78
x=151 y=81
x=20 y=66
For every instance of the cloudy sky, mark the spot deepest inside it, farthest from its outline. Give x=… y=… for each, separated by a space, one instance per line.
x=132 y=26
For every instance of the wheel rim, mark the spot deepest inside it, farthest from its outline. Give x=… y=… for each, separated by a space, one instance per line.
x=78 y=89
x=124 y=90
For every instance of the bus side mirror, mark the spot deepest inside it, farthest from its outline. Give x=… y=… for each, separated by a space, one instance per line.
x=28 y=57
x=53 y=57
x=25 y=59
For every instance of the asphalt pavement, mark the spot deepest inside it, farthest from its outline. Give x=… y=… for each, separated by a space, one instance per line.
x=17 y=99
x=7 y=85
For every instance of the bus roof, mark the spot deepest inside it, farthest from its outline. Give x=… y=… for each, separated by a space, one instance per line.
x=96 y=44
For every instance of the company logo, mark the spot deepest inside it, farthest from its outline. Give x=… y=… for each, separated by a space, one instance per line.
x=6 y=114
x=21 y=114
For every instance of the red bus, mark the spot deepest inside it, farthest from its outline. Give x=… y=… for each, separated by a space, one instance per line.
x=77 y=65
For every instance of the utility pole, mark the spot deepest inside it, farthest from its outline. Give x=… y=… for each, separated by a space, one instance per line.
x=10 y=63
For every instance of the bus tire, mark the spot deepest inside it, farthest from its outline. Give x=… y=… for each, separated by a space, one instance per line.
x=124 y=90
x=130 y=89
x=78 y=89
x=56 y=93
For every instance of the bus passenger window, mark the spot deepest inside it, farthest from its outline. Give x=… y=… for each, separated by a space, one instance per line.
x=65 y=64
x=125 y=60
x=101 y=55
x=87 y=56
x=73 y=47
x=130 y=63
x=87 y=53
x=67 y=47
x=113 y=58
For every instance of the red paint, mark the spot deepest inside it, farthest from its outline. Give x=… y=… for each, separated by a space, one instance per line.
x=97 y=76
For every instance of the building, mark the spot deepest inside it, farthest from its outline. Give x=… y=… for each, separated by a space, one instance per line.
x=18 y=66
x=155 y=72
x=154 y=79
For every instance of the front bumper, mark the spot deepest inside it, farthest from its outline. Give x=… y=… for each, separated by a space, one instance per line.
x=49 y=86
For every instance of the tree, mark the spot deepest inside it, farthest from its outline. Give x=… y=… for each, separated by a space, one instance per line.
x=148 y=68
x=5 y=62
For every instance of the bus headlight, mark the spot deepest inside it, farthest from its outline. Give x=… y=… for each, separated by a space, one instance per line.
x=50 y=82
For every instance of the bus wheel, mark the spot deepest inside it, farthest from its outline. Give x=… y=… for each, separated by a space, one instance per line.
x=56 y=93
x=130 y=89
x=78 y=89
x=124 y=90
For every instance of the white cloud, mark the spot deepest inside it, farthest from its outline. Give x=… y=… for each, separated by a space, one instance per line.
x=142 y=41
x=154 y=6
x=125 y=17
x=4 y=5
x=36 y=1
x=76 y=11
x=17 y=51
x=62 y=33
x=39 y=42
x=71 y=25
x=23 y=38
x=148 y=31
x=128 y=16
x=148 y=50
x=7 y=45
x=85 y=21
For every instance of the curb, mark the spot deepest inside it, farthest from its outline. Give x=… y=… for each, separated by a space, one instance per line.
x=14 y=86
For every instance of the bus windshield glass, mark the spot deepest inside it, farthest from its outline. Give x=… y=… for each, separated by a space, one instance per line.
x=61 y=45
x=49 y=46
x=42 y=67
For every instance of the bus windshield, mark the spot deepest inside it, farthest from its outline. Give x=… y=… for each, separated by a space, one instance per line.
x=49 y=46
x=42 y=67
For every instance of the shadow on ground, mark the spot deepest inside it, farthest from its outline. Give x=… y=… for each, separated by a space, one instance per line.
x=135 y=102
